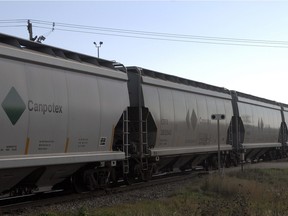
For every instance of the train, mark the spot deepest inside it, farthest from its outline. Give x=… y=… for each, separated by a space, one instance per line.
x=72 y=119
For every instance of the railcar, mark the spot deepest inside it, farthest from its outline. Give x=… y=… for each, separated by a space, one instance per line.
x=284 y=130
x=171 y=122
x=57 y=116
x=261 y=127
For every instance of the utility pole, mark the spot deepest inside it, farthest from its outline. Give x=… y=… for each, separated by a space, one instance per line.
x=98 y=47
x=218 y=117
x=30 y=30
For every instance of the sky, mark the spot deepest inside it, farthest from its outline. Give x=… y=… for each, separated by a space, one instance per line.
x=257 y=70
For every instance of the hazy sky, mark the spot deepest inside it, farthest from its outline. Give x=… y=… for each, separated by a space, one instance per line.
x=260 y=71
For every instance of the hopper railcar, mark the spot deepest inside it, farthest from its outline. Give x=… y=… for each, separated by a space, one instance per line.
x=262 y=131
x=57 y=116
x=177 y=129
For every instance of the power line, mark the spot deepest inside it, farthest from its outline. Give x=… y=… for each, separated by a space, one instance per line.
x=167 y=39
x=160 y=36
x=14 y=21
x=11 y=26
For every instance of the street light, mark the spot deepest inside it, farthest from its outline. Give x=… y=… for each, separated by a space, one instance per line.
x=218 y=117
x=98 y=47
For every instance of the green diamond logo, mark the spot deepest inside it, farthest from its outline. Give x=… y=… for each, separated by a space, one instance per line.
x=13 y=105
x=194 y=120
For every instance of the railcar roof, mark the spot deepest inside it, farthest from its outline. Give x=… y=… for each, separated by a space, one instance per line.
x=179 y=80
x=57 y=52
x=175 y=79
x=252 y=97
x=284 y=105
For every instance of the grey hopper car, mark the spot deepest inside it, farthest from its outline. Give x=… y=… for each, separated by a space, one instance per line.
x=183 y=134
x=58 y=113
x=261 y=126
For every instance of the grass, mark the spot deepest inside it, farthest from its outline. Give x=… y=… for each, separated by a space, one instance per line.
x=255 y=192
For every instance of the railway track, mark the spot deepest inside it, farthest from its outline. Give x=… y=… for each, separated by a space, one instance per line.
x=18 y=205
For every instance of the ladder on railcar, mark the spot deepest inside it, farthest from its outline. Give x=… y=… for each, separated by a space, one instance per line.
x=144 y=142
x=126 y=143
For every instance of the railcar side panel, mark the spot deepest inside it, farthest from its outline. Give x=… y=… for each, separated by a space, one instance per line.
x=114 y=100
x=202 y=121
x=180 y=107
x=95 y=106
x=184 y=118
x=192 y=120
x=48 y=110
x=154 y=106
x=13 y=98
x=285 y=113
x=84 y=113
x=261 y=123
x=211 y=125
x=166 y=117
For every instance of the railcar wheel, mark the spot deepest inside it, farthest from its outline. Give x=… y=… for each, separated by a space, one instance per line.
x=208 y=166
x=113 y=178
x=146 y=175
x=129 y=179
x=77 y=181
